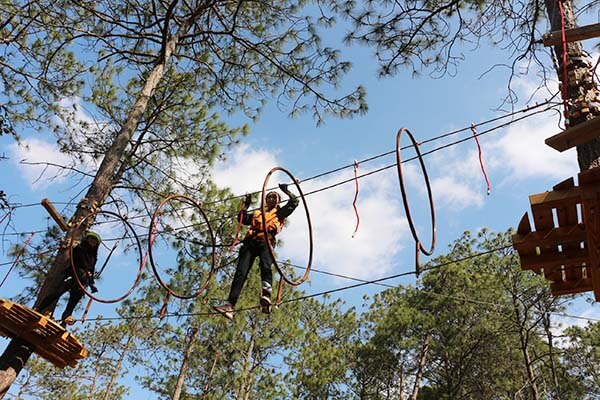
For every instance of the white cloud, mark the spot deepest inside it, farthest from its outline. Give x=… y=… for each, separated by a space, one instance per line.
x=516 y=154
x=455 y=195
x=522 y=154
x=244 y=170
x=381 y=231
x=451 y=179
x=37 y=151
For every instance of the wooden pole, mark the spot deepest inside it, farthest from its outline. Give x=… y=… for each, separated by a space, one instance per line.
x=572 y=35
x=55 y=215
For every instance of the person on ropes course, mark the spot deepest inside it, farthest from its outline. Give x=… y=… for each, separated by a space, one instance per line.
x=85 y=255
x=255 y=245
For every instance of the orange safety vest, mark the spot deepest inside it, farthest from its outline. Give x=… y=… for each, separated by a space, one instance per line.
x=274 y=225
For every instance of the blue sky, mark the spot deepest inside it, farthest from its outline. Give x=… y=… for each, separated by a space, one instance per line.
x=516 y=159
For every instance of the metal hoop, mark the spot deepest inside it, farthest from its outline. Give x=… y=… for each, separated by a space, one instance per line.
x=152 y=231
x=419 y=246
x=264 y=226
x=139 y=247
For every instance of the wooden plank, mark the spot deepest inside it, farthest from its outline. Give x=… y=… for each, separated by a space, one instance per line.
x=591 y=211
x=576 y=135
x=567 y=216
x=562 y=288
x=34 y=323
x=542 y=217
x=526 y=248
x=551 y=199
x=565 y=185
x=47 y=338
x=524 y=225
x=543 y=221
x=60 y=337
x=554 y=274
x=554 y=38
x=549 y=260
x=590 y=179
x=555 y=236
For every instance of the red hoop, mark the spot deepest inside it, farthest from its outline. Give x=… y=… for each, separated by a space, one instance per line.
x=419 y=246
x=152 y=233
x=139 y=248
x=264 y=225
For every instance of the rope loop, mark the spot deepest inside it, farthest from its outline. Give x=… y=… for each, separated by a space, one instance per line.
x=83 y=223
x=153 y=231
x=263 y=210
x=419 y=247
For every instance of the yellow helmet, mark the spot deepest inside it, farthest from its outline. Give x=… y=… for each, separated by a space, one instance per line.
x=94 y=235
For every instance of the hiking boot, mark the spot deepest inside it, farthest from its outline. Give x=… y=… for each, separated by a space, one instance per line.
x=67 y=321
x=265 y=301
x=225 y=310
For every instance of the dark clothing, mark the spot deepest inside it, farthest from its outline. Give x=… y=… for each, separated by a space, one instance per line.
x=254 y=246
x=248 y=252
x=84 y=260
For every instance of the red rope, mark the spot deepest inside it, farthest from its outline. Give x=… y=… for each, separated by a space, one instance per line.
x=487 y=180
x=152 y=240
x=356 y=165
x=238 y=229
x=4 y=217
x=17 y=258
x=564 y=60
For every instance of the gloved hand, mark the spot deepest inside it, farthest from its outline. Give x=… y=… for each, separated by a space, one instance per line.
x=93 y=288
x=247 y=200
x=284 y=188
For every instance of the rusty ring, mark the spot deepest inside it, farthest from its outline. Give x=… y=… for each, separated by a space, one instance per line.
x=310 y=235
x=419 y=246
x=139 y=247
x=152 y=231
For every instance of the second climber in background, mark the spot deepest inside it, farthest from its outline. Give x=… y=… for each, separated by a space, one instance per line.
x=85 y=255
x=255 y=245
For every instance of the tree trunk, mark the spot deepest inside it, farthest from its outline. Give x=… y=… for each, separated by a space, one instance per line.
x=17 y=352
x=524 y=340
x=401 y=383
x=96 y=374
x=583 y=96
x=550 y=337
x=115 y=374
x=421 y=367
x=244 y=388
x=210 y=374
x=184 y=363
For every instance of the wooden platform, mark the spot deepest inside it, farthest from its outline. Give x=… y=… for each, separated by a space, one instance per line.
x=579 y=134
x=50 y=340
x=572 y=35
x=565 y=247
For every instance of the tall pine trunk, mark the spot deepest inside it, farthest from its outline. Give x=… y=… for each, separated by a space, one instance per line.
x=582 y=91
x=117 y=370
x=184 y=362
x=421 y=368
x=17 y=352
